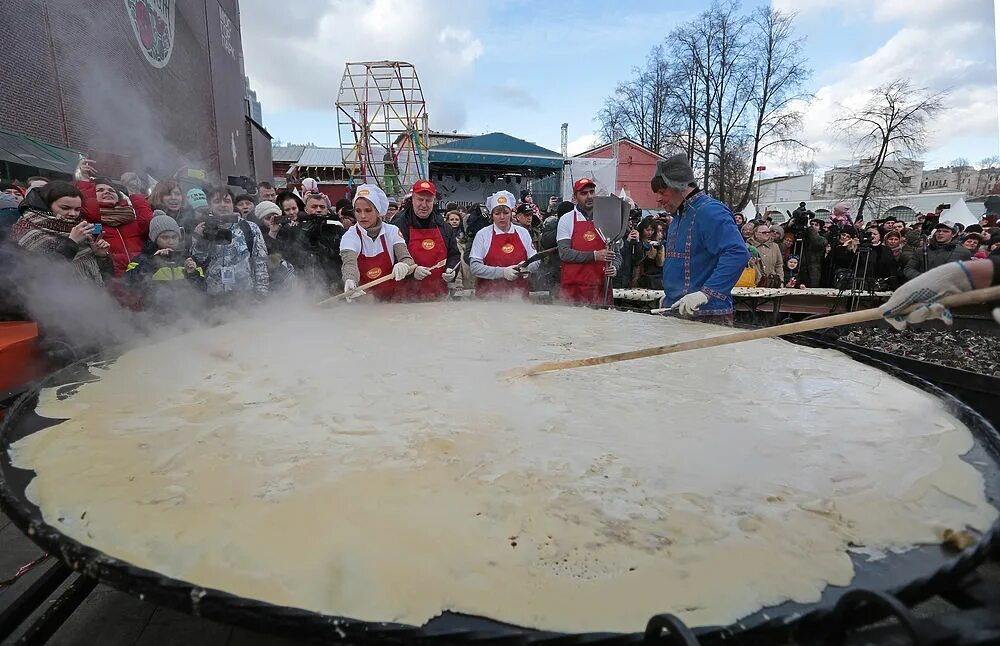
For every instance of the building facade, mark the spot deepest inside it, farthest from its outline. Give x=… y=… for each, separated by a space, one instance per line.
x=902 y=177
x=147 y=85
x=788 y=188
x=636 y=166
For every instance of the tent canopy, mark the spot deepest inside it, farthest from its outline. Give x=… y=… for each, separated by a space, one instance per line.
x=496 y=149
x=28 y=151
x=959 y=213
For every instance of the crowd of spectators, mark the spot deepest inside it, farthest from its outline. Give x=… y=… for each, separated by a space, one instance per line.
x=846 y=253
x=176 y=246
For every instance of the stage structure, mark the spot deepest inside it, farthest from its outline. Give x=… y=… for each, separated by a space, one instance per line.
x=382 y=119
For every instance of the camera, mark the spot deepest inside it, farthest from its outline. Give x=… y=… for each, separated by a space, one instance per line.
x=213 y=232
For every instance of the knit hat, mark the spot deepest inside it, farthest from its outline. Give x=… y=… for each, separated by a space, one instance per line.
x=162 y=222
x=675 y=169
x=196 y=198
x=525 y=193
x=265 y=209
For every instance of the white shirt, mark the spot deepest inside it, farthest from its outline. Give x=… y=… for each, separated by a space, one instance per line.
x=564 y=231
x=356 y=239
x=484 y=239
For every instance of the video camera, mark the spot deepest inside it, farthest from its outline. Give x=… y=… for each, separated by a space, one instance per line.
x=214 y=232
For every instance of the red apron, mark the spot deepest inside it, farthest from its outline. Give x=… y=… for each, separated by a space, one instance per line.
x=428 y=249
x=583 y=282
x=374 y=267
x=506 y=249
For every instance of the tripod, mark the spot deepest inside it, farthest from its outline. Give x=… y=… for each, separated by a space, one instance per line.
x=861 y=286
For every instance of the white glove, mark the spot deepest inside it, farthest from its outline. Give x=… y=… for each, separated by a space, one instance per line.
x=690 y=303
x=923 y=291
x=400 y=271
x=511 y=273
x=351 y=289
x=421 y=273
x=448 y=275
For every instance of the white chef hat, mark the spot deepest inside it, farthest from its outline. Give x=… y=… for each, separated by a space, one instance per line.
x=500 y=198
x=373 y=194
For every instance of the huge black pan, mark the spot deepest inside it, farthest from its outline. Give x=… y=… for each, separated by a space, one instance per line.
x=912 y=576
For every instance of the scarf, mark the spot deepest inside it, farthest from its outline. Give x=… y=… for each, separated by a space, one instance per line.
x=45 y=232
x=115 y=216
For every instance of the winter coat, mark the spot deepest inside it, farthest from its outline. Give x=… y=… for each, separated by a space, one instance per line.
x=935 y=256
x=771 y=261
x=126 y=240
x=162 y=284
x=249 y=273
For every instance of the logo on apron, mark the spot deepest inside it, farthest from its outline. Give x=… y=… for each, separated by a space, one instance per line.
x=427 y=244
x=153 y=26
x=507 y=248
x=373 y=273
x=589 y=236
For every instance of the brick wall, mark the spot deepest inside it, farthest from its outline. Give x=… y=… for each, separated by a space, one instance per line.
x=636 y=166
x=75 y=75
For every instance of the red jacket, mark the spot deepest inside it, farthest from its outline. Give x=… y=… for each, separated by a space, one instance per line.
x=127 y=240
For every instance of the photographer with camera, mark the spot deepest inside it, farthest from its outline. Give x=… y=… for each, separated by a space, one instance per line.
x=222 y=249
x=940 y=250
x=809 y=245
x=162 y=278
x=316 y=250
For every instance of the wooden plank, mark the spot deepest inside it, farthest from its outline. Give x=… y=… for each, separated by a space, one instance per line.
x=169 y=628
x=106 y=617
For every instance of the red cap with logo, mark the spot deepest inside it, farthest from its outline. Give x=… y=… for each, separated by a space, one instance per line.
x=423 y=186
x=582 y=183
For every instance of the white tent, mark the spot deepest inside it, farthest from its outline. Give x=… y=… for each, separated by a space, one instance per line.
x=749 y=211
x=959 y=213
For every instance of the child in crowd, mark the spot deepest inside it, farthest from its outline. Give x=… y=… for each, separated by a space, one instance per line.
x=161 y=278
x=792 y=273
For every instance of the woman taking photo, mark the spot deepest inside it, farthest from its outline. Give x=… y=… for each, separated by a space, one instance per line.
x=648 y=273
x=52 y=225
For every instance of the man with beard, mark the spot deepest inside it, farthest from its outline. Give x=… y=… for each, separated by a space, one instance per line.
x=429 y=240
x=940 y=250
x=705 y=253
x=585 y=258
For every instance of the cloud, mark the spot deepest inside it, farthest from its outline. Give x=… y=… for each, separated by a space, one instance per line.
x=295 y=52
x=582 y=143
x=513 y=95
x=940 y=48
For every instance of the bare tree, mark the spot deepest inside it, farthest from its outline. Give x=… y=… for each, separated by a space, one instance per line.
x=638 y=107
x=892 y=125
x=779 y=71
x=990 y=162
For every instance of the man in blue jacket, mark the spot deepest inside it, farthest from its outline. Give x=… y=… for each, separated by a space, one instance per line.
x=705 y=253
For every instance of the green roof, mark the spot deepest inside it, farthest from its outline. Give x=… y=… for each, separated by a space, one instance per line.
x=496 y=149
x=34 y=153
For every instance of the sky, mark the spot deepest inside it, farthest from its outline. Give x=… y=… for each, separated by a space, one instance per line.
x=526 y=66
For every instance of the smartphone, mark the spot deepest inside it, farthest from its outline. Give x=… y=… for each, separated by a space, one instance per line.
x=98 y=230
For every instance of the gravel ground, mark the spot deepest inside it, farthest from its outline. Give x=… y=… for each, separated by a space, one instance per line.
x=965 y=349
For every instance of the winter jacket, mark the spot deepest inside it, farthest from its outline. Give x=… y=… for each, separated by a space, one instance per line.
x=228 y=266
x=935 y=256
x=406 y=218
x=771 y=261
x=126 y=240
x=9 y=214
x=161 y=283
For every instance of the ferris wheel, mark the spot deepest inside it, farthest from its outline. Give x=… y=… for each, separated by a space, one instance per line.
x=382 y=119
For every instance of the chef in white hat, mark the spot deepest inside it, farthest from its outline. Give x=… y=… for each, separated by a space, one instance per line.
x=498 y=251
x=373 y=248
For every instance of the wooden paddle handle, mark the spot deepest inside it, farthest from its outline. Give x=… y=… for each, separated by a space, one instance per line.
x=374 y=283
x=973 y=297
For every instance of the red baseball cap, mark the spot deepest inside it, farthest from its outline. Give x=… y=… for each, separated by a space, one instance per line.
x=423 y=186
x=583 y=182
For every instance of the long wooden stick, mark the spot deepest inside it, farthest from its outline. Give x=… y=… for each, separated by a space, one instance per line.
x=374 y=283
x=956 y=300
